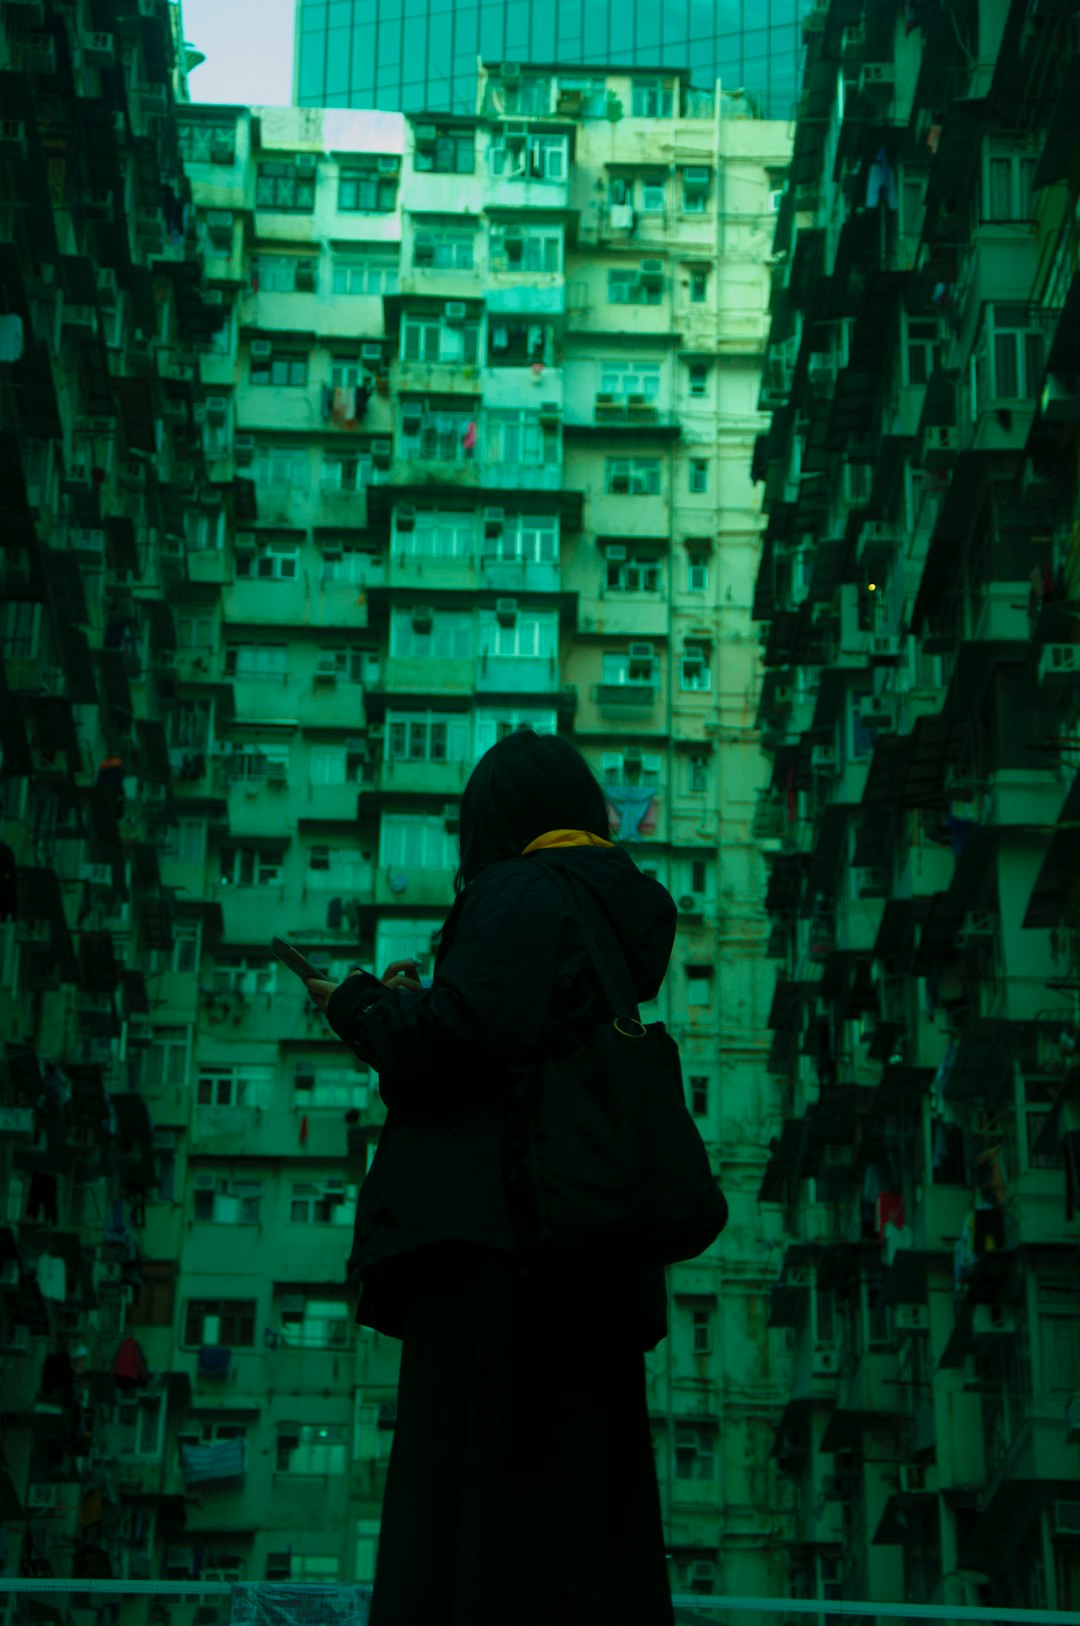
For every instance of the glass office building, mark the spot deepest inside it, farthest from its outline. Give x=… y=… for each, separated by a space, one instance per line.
x=409 y=55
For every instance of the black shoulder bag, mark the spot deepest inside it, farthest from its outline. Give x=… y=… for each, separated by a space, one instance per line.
x=599 y=1149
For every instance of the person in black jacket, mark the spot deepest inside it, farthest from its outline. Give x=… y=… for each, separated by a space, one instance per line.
x=521 y=1486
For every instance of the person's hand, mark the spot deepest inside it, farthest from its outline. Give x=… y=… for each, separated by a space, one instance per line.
x=321 y=990
x=392 y=977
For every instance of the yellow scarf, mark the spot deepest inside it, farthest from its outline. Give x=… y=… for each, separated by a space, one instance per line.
x=566 y=838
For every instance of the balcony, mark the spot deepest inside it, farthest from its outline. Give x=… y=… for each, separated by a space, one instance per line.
x=620 y=417
x=517 y=674
x=415 y=888
x=444 y=780
x=619 y=697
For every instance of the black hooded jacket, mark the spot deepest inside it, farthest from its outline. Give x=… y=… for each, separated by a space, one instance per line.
x=512 y=977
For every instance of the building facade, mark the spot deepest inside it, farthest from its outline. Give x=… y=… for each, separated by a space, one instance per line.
x=423 y=57
x=338 y=444
x=917 y=594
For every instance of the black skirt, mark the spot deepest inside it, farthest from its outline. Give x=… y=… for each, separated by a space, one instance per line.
x=521 y=1487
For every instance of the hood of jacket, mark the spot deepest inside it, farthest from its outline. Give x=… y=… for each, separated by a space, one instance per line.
x=641 y=912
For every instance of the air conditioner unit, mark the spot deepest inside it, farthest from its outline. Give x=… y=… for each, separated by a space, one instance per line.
x=652 y=273
x=423 y=248
x=387 y=163
x=217 y=408
x=261 y=349
x=371 y=352
x=411 y=420
x=451 y=815
x=305 y=276
x=306 y=163
x=456 y=311
x=695 y=180
x=821 y=371
x=42 y=1497
x=244 y=448
x=616 y=553
x=641 y=652
x=106 y=284
x=506 y=611
x=12 y=139
x=823 y=758
x=222 y=149
x=1065 y=1519
x=550 y=412
x=380 y=453
x=426 y=135
x=494 y=521
x=912 y=1318
x=387 y=1413
x=939 y=437
x=876 y=713
x=422 y=618
x=99 y=49
x=877 y=76
x=80 y=541
x=826 y=1359
x=690 y=904
x=993 y=1319
x=326 y=666
x=620 y=484
x=405 y=517
x=510 y=72
x=219 y=225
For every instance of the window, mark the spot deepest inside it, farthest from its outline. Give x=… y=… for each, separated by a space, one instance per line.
x=411 y=841
x=1008 y=361
x=1010 y=172
x=921 y=350
x=362 y=191
x=280 y=466
x=347 y=372
x=140 y=1426
x=337 y=764
x=699 y=984
x=496 y=725
x=635 y=476
x=285 y=368
x=165 y=1062
x=444 y=248
x=187 y=945
x=271 y=561
x=698 y=874
x=252 y=866
x=204 y=530
x=351 y=562
x=256 y=660
x=629 y=669
x=912 y=202
x=652 y=99
x=310 y=1448
x=701 y=1332
x=695 y=1452
x=637 y=573
x=194 y=632
x=519 y=343
x=626 y=287
x=235 y=1085
x=229 y=1323
x=522 y=157
x=431 y=338
x=438 y=534
x=695 y=670
x=699 y=285
x=312 y=1567
x=346 y=471
x=652 y=194
x=698 y=379
x=444 y=635
x=444 y=150
x=699 y=475
x=329 y=1202
x=619 y=769
x=516 y=435
x=400 y=939
x=699 y=773
x=227 y=1202
x=695 y=194
x=242 y=974
x=277 y=274
x=533 y=635
x=528 y=248
x=283 y=188
x=529 y=538
x=435 y=436
x=314 y=1323
x=207 y=143
x=427 y=737
x=348 y=665
x=697 y=573
x=371 y=274
x=337 y=1088
x=630 y=378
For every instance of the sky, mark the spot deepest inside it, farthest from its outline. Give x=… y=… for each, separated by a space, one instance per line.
x=248 y=45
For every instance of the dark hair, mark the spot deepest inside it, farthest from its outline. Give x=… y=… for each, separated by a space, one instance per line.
x=526 y=784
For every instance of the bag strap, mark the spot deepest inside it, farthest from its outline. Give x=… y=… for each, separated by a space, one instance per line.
x=621 y=1010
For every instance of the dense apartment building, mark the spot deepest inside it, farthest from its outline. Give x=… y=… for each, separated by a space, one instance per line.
x=337 y=444
x=918 y=590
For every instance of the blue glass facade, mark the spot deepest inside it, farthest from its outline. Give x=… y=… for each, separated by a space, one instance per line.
x=409 y=55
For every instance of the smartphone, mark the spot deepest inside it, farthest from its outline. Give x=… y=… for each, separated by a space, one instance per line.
x=294 y=960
